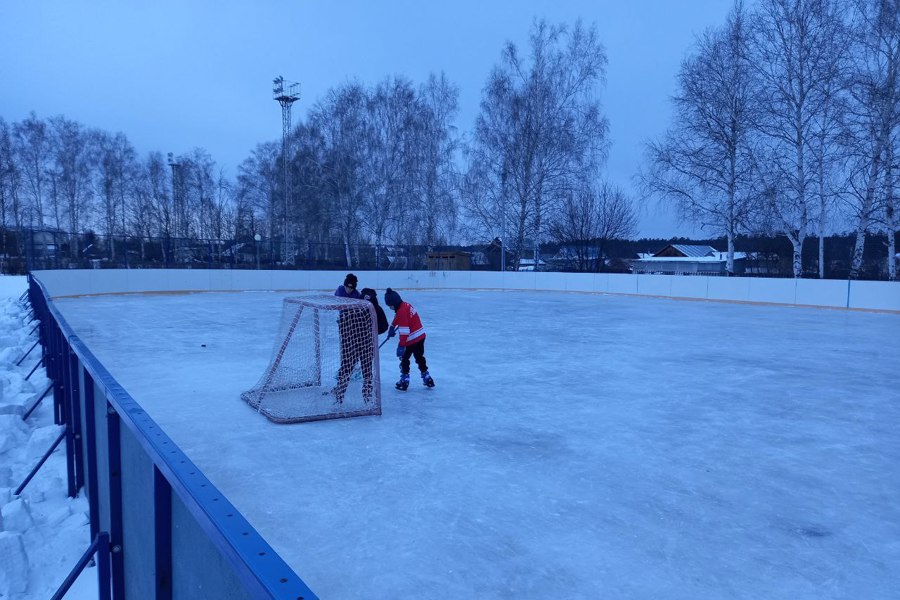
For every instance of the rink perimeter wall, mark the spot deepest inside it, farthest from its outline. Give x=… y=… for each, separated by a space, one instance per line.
x=160 y=530
x=171 y=534
x=854 y=295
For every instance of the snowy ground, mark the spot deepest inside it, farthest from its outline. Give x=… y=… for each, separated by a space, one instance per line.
x=576 y=446
x=42 y=532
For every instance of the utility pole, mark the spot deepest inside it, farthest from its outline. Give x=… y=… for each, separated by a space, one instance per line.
x=174 y=164
x=286 y=93
x=503 y=219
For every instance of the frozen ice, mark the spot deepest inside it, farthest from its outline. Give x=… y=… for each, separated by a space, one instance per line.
x=576 y=445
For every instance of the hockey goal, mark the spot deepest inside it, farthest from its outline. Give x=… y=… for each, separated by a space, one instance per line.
x=324 y=362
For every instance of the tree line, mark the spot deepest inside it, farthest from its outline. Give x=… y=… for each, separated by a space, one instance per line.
x=786 y=123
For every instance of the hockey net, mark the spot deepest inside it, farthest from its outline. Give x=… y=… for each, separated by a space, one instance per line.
x=324 y=362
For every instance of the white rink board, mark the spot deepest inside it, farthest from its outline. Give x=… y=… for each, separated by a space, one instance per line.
x=866 y=295
x=822 y=292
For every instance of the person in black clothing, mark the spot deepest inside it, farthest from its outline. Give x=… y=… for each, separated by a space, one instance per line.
x=372 y=296
x=357 y=342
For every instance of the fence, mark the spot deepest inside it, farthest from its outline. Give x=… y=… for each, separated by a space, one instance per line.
x=31 y=250
x=160 y=529
x=22 y=251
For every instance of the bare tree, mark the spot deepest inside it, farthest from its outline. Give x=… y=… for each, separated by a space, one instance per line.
x=891 y=219
x=199 y=179
x=115 y=172
x=827 y=159
x=797 y=49
x=875 y=91
x=10 y=209
x=257 y=179
x=540 y=129
x=341 y=119
x=437 y=159
x=706 y=162
x=142 y=212
x=32 y=145
x=72 y=160
x=222 y=209
x=587 y=220
x=388 y=167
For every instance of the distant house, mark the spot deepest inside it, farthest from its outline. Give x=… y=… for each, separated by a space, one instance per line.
x=45 y=242
x=688 y=259
x=571 y=258
x=527 y=264
x=448 y=261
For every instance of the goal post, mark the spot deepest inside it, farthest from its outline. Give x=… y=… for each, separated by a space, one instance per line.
x=324 y=362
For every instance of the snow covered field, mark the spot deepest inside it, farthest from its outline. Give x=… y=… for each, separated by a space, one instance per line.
x=576 y=445
x=42 y=532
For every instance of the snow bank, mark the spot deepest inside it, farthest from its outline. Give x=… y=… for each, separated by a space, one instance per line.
x=42 y=532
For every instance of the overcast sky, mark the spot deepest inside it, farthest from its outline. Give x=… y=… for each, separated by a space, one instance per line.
x=177 y=74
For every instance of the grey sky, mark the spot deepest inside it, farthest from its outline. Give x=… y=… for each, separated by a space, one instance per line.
x=173 y=75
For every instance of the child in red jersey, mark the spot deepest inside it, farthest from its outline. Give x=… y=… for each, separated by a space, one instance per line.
x=412 y=338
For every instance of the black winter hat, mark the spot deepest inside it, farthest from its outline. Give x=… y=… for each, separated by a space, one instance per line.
x=392 y=299
x=370 y=295
x=350 y=280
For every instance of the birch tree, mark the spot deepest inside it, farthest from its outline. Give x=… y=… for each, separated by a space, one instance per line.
x=72 y=160
x=114 y=174
x=706 y=164
x=437 y=153
x=257 y=179
x=341 y=118
x=389 y=164
x=32 y=145
x=10 y=211
x=541 y=131
x=797 y=51
x=891 y=218
x=875 y=92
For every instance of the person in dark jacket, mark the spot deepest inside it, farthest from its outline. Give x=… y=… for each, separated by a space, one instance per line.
x=412 y=338
x=357 y=344
x=372 y=296
x=348 y=290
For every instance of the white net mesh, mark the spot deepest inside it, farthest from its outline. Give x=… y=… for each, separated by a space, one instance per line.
x=324 y=363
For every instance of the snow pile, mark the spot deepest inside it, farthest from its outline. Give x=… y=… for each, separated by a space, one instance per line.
x=42 y=531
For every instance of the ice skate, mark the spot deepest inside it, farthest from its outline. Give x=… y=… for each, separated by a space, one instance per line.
x=403 y=384
x=427 y=380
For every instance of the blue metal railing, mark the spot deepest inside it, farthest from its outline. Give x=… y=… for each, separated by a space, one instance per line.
x=171 y=533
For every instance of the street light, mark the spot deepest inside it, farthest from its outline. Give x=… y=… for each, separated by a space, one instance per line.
x=257 y=238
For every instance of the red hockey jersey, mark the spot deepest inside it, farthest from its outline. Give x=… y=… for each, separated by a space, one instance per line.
x=408 y=324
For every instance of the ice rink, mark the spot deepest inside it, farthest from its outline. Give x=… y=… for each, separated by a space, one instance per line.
x=577 y=446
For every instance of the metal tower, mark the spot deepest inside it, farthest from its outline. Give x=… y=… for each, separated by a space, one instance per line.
x=286 y=93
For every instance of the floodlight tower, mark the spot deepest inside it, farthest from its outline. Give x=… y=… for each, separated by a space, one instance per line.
x=286 y=93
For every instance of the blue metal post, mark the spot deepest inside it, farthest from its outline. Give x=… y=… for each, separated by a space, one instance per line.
x=162 y=511
x=64 y=373
x=115 y=503
x=74 y=395
x=90 y=430
x=53 y=373
x=103 y=566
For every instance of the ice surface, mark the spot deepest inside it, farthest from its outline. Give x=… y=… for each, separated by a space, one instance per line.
x=576 y=445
